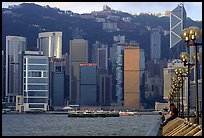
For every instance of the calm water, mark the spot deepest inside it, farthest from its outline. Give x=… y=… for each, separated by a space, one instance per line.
x=61 y=125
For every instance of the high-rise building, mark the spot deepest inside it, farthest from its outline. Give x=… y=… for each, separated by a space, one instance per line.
x=78 y=54
x=35 y=81
x=155 y=44
x=131 y=77
x=100 y=57
x=116 y=58
x=57 y=86
x=105 y=89
x=50 y=43
x=142 y=72
x=177 y=24
x=102 y=60
x=3 y=77
x=119 y=75
x=15 y=45
x=88 y=84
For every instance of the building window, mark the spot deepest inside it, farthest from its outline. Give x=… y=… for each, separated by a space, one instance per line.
x=37 y=67
x=37 y=93
x=37 y=100
x=36 y=105
x=37 y=61
x=37 y=87
x=37 y=80
x=34 y=74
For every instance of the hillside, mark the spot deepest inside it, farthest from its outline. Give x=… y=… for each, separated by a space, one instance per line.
x=30 y=19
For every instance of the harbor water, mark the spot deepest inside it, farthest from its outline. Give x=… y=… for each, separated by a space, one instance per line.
x=62 y=125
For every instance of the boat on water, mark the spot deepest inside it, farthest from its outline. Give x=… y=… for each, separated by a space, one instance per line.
x=126 y=113
x=93 y=114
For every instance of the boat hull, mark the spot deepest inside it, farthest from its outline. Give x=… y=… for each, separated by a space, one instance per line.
x=93 y=114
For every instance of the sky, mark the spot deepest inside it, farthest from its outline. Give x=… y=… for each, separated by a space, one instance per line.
x=193 y=9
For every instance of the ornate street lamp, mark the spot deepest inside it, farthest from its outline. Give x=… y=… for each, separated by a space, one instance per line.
x=190 y=35
x=176 y=85
x=179 y=71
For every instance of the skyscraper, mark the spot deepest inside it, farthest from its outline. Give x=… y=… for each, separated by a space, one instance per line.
x=36 y=80
x=50 y=43
x=88 y=84
x=102 y=60
x=155 y=44
x=119 y=74
x=3 y=77
x=177 y=24
x=142 y=72
x=57 y=82
x=15 y=45
x=105 y=89
x=78 y=54
x=131 y=77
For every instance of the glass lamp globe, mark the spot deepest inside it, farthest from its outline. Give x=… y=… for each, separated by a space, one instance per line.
x=186 y=71
x=185 y=34
x=194 y=32
x=184 y=57
x=194 y=57
x=176 y=71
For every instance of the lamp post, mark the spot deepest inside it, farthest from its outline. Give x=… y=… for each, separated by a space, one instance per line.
x=176 y=87
x=185 y=58
x=190 y=35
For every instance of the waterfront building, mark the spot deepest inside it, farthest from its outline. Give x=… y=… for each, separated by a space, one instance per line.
x=35 y=81
x=116 y=58
x=142 y=74
x=119 y=75
x=78 y=54
x=105 y=89
x=57 y=80
x=3 y=77
x=67 y=77
x=50 y=43
x=177 y=24
x=88 y=84
x=155 y=44
x=15 y=45
x=132 y=77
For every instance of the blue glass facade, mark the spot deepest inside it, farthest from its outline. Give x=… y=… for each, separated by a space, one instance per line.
x=35 y=82
x=58 y=89
x=88 y=84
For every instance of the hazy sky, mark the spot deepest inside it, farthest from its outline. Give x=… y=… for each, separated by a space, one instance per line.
x=193 y=9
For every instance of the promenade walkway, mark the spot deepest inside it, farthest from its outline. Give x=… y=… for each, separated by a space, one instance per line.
x=181 y=127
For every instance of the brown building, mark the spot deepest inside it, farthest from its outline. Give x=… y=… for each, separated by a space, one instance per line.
x=131 y=77
x=78 y=54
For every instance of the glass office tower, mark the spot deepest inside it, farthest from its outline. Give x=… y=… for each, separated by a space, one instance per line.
x=50 y=43
x=35 y=81
x=15 y=45
x=78 y=54
x=88 y=84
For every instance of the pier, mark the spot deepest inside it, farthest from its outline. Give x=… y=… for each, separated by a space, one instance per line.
x=177 y=127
